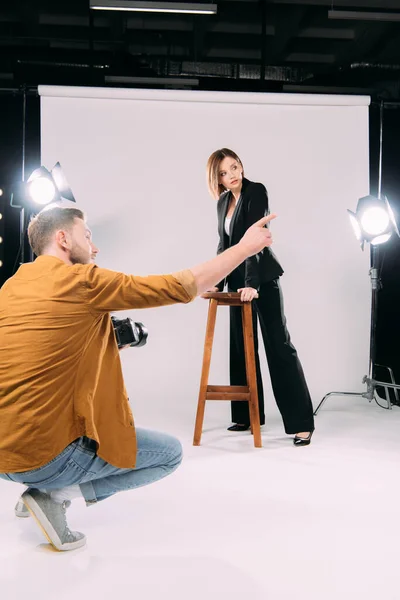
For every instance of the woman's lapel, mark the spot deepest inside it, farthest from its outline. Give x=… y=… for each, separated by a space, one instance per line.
x=237 y=207
x=223 y=211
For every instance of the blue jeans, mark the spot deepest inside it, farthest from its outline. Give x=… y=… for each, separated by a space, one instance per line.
x=158 y=455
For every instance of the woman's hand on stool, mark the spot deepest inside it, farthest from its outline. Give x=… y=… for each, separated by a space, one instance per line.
x=247 y=294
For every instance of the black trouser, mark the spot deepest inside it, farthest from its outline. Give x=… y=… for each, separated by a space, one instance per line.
x=287 y=377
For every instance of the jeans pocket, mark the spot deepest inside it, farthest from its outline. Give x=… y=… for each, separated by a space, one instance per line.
x=64 y=454
x=48 y=472
x=60 y=473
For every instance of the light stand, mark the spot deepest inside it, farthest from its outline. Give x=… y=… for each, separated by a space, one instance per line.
x=22 y=213
x=22 y=225
x=371 y=393
x=21 y=206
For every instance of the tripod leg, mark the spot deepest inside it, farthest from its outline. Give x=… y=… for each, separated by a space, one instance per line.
x=335 y=394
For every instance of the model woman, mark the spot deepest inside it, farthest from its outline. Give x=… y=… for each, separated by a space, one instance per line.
x=240 y=204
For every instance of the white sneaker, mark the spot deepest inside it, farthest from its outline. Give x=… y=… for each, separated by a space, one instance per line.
x=51 y=518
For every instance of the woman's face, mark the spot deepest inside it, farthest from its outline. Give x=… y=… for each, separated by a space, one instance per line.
x=230 y=174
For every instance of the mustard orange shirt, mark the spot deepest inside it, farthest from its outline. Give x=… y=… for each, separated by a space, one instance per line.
x=60 y=370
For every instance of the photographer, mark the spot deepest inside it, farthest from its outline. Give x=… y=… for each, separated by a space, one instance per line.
x=66 y=428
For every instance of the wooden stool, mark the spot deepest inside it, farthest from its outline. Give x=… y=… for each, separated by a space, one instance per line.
x=229 y=392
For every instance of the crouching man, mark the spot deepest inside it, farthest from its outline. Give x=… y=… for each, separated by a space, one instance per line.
x=66 y=428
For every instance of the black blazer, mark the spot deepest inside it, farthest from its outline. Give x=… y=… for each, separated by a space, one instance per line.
x=252 y=206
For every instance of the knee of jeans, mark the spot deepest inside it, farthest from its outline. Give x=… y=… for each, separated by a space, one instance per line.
x=177 y=451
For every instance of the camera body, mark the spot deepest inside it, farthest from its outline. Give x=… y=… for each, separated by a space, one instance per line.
x=129 y=333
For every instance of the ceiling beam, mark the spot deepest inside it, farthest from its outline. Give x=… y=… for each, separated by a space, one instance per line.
x=363 y=15
x=239 y=54
x=325 y=89
x=327 y=33
x=310 y=57
x=240 y=28
x=381 y=4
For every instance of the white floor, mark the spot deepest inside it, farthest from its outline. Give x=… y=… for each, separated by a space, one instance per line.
x=320 y=522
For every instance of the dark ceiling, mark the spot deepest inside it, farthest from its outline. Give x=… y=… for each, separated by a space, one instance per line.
x=272 y=45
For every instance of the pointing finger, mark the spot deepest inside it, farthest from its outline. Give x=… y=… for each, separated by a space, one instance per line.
x=265 y=220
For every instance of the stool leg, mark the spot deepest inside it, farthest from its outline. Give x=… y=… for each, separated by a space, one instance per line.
x=212 y=314
x=248 y=337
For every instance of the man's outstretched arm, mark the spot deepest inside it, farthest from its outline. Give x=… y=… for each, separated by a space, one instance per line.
x=108 y=291
x=256 y=238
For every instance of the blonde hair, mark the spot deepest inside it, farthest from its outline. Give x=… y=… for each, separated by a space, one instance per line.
x=213 y=163
x=47 y=222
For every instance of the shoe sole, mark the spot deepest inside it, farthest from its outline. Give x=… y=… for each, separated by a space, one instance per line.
x=22 y=514
x=47 y=527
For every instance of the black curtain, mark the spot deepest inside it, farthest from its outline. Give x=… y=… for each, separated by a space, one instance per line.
x=11 y=120
x=388 y=324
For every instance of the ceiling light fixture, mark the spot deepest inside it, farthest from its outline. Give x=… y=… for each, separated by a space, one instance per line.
x=159 y=7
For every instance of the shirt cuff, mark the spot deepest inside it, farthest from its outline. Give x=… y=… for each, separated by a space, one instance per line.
x=187 y=281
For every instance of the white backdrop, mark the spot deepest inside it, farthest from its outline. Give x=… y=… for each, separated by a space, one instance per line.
x=135 y=160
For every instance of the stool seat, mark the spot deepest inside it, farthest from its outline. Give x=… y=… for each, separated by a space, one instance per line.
x=229 y=392
x=225 y=298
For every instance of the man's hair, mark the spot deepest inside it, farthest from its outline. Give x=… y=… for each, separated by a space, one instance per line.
x=47 y=222
x=213 y=163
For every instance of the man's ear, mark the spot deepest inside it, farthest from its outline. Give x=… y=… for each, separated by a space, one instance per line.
x=62 y=238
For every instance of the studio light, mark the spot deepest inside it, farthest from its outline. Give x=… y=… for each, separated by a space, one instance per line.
x=373 y=221
x=40 y=187
x=61 y=183
x=159 y=7
x=44 y=186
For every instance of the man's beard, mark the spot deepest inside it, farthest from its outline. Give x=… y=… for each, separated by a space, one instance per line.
x=79 y=257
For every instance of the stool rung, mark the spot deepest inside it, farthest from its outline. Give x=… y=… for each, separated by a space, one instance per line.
x=227 y=392
x=241 y=389
x=227 y=396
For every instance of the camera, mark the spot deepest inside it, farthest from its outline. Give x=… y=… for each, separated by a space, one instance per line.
x=129 y=333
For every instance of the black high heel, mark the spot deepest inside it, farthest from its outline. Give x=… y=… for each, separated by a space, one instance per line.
x=299 y=441
x=238 y=427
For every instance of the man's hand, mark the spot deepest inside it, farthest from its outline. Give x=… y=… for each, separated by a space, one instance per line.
x=247 y=294
x=211 y=272
x=214 y=289
x=257 y=237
